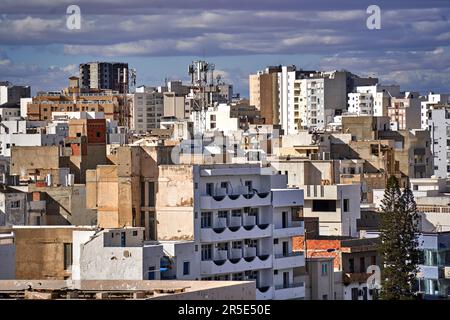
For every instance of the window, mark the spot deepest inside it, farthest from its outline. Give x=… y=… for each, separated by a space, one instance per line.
x=351 y=265
x=224 y=185
x=185 y=268
x=324 y=269
x=151 y=273
x=67 y=256
x=373 y=260
x=324 y=205
x=362 y=265
x=346 y=205
x=15 y=204
x=325 y=297
x=135 y=233
x=206 y=220
x=209 y=189
x=355 y=293
x=249 y=185
x=206 y=252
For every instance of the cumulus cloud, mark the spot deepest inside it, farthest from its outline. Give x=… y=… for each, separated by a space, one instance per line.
x=411 y=45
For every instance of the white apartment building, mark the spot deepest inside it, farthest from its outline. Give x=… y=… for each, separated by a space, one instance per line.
x=30 y=133
x=310 y=100
x=217 y=118
x=336 y=206
x=115 y=254
x=246 y=224
x=372 y=100
x=147 y=108
x=241 y=218
x=426 y=106
x=9 y=112
x=439 y=125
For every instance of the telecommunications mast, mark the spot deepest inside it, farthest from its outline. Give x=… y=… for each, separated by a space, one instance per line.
x=202 y=84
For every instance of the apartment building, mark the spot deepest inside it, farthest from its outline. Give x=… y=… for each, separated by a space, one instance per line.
x=405 y=111
x=372 y=100
x=433 y=279
x=351 y=260
x=147 y=109
x=336 y=206
x=75 y=99
x=13 y=206
x=433 y=99
x=43 y=252
x=115 y=254
x=241 y=218
x=123 y=192
x=264 y=95
x=9 y=111
x=439 y=127
x=412 y=152
x=10 y=93
x=104 y=75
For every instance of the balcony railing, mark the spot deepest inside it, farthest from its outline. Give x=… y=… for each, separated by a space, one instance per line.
x=289 y=285
x=290 y=254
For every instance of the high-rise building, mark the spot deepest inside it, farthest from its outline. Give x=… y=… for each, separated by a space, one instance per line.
x=104 y=75
x=439 y=126
x=426 y=106
x=147 y=108
x=10 y=93
x=372 y=100
x=404 y=111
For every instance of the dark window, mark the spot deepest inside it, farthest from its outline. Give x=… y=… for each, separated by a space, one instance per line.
x=324 y=205
x=355 y=293
x=151 y=273
x=135 y=233
x=67 y=255
x=373 y=260
x=78 y=134
x=186 y=268
x=362 y=265
x=206 y=221
x=123 y=239
x=346 y=205
x=209 y=189
x=151 y=194
x=98 y=134
x=351 y=265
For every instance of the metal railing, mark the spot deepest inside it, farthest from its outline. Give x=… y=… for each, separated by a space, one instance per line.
x=290 y=254
x=289 y=285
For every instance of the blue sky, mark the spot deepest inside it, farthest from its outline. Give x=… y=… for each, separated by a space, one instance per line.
x=160 y=38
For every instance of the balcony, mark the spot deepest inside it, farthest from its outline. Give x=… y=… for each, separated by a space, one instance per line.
x=235 y=265
x=235 y=233
x=264 y=293
x=290 y=291
x=235 y=201
x=290 y=260
x=292 y=230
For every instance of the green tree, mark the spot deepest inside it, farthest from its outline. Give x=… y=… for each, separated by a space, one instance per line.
x=399 y=242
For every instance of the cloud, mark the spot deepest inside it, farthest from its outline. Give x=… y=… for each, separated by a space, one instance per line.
x=411 y=46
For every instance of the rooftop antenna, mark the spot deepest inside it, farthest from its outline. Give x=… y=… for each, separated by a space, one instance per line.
x=202 y=75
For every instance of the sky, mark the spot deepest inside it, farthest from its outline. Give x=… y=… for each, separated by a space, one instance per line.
x=160 y=38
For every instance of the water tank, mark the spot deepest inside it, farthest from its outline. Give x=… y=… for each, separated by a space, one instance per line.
x=70 y=179
x=49 y=180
